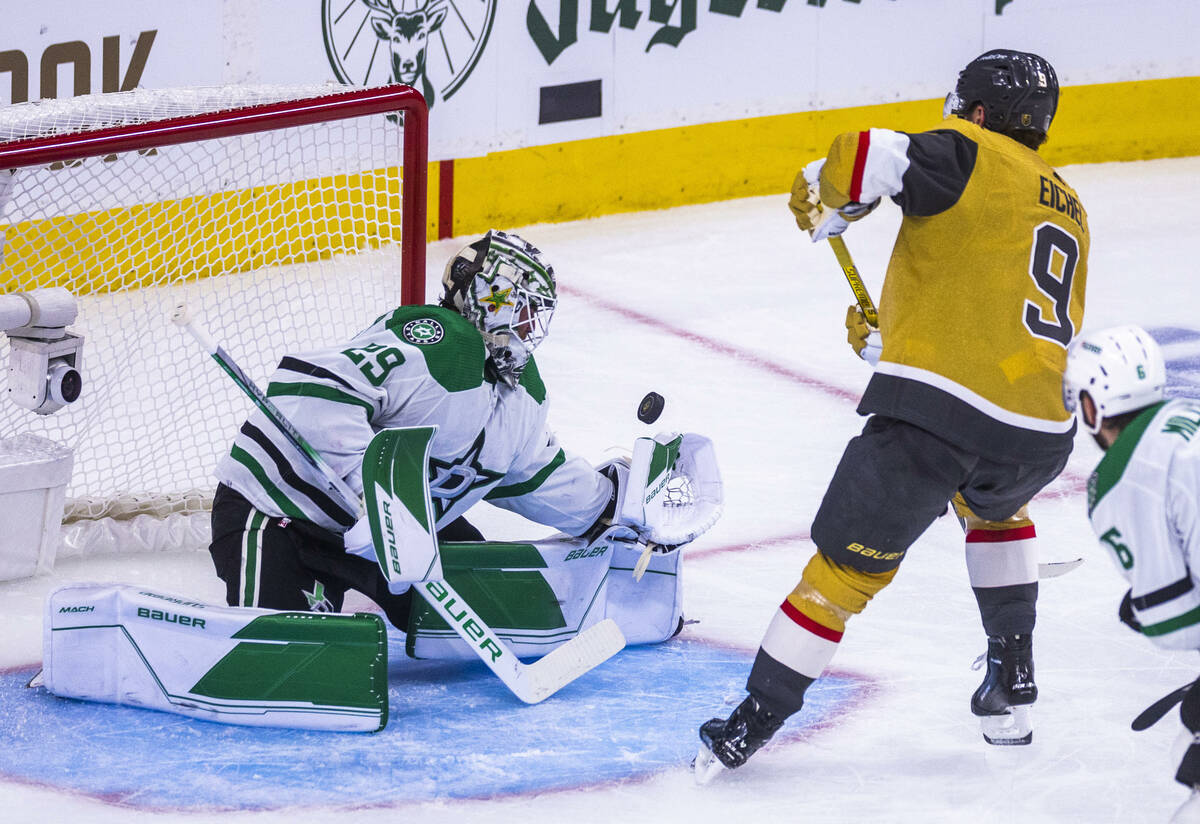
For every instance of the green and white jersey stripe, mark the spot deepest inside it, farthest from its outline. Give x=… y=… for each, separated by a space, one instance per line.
x=416 y=366
x=1143 y=501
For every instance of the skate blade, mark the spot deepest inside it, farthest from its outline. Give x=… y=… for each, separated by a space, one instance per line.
x=706 y=766
x=1014 y=728
x=38 y=680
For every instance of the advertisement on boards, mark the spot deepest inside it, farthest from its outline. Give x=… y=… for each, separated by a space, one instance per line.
x=501 y=76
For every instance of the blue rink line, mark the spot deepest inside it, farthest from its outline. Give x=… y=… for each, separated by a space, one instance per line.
x=1181 y=351
x=455 y=732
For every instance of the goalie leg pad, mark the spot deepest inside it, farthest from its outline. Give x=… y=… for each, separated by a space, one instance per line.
x=535 y=596
x=126 y=645
x=648 y=610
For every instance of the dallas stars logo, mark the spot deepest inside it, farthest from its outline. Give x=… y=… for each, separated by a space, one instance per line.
x=450 y=481
x=498 y=299
x=317 y=602
x=423 y=332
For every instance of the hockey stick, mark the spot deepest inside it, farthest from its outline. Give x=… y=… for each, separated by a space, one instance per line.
x=1052 y=569
x=336 y=487
x=530 y=683
x=856 y=283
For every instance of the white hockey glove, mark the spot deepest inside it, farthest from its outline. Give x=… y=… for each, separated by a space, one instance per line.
x=817 y=218
x=358 y=539
x=669 y=494
x=412 y=556
x=863 y=338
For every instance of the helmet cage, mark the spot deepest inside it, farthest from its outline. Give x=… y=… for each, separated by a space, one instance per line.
x=1121 y=370
x=1018 y=91
x=501 y=284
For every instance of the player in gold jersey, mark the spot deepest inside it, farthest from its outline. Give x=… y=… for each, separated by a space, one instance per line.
x=983 y=294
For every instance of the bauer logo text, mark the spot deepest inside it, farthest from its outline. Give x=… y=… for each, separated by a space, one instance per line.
x=867 y=552
x=458 y=613
x=170 y=617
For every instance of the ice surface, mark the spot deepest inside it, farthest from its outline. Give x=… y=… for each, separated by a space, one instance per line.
x=732 y=315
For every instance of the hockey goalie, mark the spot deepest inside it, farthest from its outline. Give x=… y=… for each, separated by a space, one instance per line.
x=355 y=472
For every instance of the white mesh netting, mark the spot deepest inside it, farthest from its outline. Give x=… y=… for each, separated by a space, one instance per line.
x=279 y=241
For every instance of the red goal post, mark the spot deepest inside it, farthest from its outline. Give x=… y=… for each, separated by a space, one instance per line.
x=287 y=217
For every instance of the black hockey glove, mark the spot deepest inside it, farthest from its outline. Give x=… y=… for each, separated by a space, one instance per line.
x=1125 y=613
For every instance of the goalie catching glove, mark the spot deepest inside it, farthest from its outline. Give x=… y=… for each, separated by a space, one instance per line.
x=667 y=495
x=822 y=217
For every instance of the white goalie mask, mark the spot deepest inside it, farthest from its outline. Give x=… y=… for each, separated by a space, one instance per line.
x=1121 y=369
x=503 y=286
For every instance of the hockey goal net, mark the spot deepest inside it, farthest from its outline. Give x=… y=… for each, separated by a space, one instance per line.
x=286 y=217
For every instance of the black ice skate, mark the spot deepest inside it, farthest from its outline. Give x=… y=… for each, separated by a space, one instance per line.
x=1002 y=700
x=727 y=743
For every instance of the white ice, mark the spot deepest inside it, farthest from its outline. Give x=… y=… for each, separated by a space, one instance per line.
x=736 y=318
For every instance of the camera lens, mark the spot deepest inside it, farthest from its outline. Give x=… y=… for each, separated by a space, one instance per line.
x=66 y=383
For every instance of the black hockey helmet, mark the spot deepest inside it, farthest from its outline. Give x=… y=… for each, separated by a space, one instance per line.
x=1018 y=91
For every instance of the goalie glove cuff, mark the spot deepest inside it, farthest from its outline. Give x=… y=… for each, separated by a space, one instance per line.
x=617 y=472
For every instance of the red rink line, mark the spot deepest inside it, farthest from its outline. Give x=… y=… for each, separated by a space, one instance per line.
x=1068 y=485
x=762 y=543
x=713 y=345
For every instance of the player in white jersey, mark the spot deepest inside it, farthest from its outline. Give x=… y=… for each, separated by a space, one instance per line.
x=465 y=366
x=1144 y=496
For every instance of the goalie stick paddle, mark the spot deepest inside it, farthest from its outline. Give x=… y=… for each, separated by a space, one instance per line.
x=855 y=279
x=530 y=683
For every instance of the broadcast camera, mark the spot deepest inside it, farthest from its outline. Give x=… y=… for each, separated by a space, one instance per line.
x=44 y=366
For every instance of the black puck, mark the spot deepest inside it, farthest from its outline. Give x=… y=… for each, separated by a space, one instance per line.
x=650 y=407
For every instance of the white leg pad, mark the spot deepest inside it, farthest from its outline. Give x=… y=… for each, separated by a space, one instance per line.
x=126 y=645
x=647 y=611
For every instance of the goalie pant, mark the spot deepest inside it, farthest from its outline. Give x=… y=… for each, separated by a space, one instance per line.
x=293 y=564
x=563 y=585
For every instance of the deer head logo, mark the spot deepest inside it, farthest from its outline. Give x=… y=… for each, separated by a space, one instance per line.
x=417 y=42
x=405 y=27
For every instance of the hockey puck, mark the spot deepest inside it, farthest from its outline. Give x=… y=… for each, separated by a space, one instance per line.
x=650 y=407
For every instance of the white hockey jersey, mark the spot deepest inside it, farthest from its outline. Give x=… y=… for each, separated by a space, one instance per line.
x=418 y=366
x=1143 y=501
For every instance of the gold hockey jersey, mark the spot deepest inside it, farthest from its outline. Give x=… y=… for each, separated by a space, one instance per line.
x=984 y=290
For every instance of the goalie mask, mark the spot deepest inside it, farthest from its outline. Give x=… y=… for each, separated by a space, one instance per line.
x=503 y=286
x=1018 y=91
x=1120 y=369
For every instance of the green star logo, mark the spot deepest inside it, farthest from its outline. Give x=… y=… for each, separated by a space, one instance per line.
x=316 y=599
x=497 y=299
x=449 y=481
x=423 y=332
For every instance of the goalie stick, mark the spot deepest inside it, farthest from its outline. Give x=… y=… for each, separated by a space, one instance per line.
x=531 y=682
